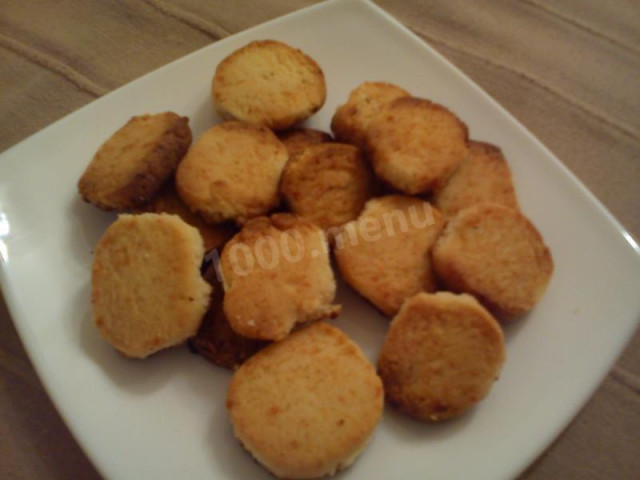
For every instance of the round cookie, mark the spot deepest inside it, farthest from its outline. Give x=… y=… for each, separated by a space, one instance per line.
x=297 y=139
x=496 y=254
x=307 y=406
x=168 y=201
x=327 y=183
x=441 y=356
x=276 y=275
x=268 y=83
x=131 y=166
x=147 y=292
x=220 y=344
x=232 y=172
x=216 y=340
x=384 y=254
x=415 y=145
x=483 y=177
x=351 y=120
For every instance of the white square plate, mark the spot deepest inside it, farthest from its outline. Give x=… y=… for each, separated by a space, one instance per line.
x=164 y=418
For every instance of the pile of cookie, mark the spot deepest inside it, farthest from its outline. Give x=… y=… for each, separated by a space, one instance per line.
x=227 y=243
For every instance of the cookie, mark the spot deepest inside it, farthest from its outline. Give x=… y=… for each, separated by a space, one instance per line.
x=297 y=139
x=131 y=166
x=327 y=183
x=441 y=356
x=351 y=120
x=232 y=172
x=307 y=406
x=268 y=83
x=277 y=275
x=483 y=177
x=216 y=340
x=147 y=292
x=414 y=145
x=496 y=254
x=168 y=201
x=384 y=254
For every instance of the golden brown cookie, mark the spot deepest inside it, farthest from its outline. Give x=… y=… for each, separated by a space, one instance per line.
x=483 y=177
x=297 y=139
x=277 y=275
x=384 y=254
x=232 y=172
x=268 y=83
x=327 y=183
x=131 y=166
x=147 y=291
x=351 y=120
x=415 y=145
x=306 y=407
x=216 y=340
x=441 y=356
x=496 y=254
x=168 y=201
